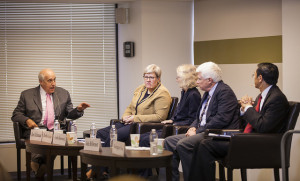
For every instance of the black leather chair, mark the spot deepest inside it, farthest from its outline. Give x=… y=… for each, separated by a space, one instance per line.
x=144 y=127
x=256 y=150
x=285 y=153
x=20 y=144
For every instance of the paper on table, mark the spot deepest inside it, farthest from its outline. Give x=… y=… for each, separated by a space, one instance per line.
x=137 y=148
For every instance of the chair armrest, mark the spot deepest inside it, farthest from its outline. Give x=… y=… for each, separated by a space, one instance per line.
x=246 y=150
x=144 y=127
x=114 y=121
x=167 y=130
x=20 y=142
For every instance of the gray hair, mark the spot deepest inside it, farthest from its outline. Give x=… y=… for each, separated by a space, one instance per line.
x=41 y=75
x=188 y=74
x=210 y=70
x=153 y=69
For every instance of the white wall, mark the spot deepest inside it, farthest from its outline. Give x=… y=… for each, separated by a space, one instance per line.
x=231 y=19
x=291 y=73
x=162 y=32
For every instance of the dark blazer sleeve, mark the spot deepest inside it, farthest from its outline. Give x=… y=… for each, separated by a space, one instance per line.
x=222 y=110
x=272 y=117
x=64 y=106
x=28 y=107
x=19 y=113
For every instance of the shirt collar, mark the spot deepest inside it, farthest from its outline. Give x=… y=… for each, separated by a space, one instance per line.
x=212 y=90
x=265 y=92
x=42 y=91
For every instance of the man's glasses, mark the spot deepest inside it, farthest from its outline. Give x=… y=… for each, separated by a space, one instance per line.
x=150 y=78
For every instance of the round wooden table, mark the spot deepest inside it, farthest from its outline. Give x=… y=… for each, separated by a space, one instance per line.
x=132 y=159
x=50 y=151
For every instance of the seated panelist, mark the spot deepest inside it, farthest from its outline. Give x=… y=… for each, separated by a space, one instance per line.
x=40 y=106
x=267 y=114
x=190 y=99
x=151 y=102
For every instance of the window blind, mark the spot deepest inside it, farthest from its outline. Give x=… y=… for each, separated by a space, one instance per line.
x=77 y=41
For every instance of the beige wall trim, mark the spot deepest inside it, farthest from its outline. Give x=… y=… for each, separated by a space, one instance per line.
x=239 y=51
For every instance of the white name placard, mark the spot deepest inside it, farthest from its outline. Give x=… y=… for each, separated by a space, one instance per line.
x=92 y=144
x=118 y=148
x=36 y=134
x=59 y=138
x=47 y=137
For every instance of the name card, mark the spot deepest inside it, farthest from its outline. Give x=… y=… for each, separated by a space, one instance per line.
x=118 y=148
x=92 y=144
x=59 y=138
x=47 y=137
x=36 y=134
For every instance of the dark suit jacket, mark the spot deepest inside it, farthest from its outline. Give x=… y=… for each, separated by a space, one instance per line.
x=30 y=107
x=272 y=116
x=222 y=112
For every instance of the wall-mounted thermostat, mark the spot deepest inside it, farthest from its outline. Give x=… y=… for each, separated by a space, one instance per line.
x=128 y=49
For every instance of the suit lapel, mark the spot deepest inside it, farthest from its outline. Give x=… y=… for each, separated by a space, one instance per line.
x=56 y=103
x=37 y=99
x=212 y=99
x=267 y=96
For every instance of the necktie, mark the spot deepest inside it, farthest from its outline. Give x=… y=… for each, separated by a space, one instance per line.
x=49 y=114
x=249 y=128
x=203 y=111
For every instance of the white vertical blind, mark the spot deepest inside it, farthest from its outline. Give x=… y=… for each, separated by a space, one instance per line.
x=77 y=41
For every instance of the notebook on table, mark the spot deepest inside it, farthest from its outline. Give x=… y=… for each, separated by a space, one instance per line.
x=223 y=134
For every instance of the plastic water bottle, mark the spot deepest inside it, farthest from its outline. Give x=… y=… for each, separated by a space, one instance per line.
x=113 y=134
x=74 y=129
x=93 y=131
x=56 y=125
x=153 y=142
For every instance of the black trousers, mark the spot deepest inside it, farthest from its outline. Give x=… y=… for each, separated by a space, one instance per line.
x=206 y=152
x=122 y=130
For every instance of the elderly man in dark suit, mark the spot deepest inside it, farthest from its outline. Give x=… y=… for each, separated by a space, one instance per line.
x=218 y=109
x=266 y=115
x=38 y=107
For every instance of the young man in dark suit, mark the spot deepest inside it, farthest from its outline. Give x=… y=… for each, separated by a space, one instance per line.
x=266 y=115
x=32 y=111
x=218 y=110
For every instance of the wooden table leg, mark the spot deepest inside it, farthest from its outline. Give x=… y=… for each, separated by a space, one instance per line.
x=83 y=171
x=169 y=173
x=49 y=166
x=28 y=167
x=74 y=167
x=69 y=167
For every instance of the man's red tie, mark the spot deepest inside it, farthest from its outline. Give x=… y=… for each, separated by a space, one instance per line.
x=249 y=128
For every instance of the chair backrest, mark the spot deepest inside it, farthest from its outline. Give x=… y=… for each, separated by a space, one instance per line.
x=293 y=115
x=292 y=120
x=20 y=142
x=172 y=107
